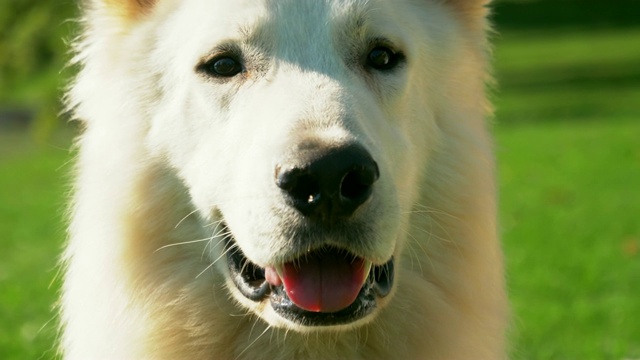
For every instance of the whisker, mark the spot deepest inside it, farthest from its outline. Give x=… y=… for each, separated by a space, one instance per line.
x=216 y=233
x=246 y=314
x=214 y=223
x=431 y=233
x=184 y=218
x=183 y=243
x=253 y=342
x=430 y=210
x=414 y=252
x=255 y=322
x=215 y=261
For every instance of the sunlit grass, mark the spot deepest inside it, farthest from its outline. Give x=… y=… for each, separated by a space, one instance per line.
x=570 y=205
x=568 y=141
x=31 y=233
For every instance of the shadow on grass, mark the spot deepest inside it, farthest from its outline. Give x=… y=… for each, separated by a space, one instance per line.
x=584 y=77
x=547 y=14
x=577 y=93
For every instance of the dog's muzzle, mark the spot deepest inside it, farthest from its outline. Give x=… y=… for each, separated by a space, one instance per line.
x=328 y=285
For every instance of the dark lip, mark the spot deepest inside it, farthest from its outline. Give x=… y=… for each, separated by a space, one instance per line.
x=250 y=280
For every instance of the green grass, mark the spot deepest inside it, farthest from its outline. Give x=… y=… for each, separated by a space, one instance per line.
x=31 y=233
x=568 y=142
x=570 y=207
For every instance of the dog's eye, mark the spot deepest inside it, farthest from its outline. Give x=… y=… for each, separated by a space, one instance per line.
x=223 y=66
x=383 y=58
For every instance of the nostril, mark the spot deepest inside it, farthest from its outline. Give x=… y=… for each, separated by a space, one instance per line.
x=306 y=189
x=356 y=185
x=300 y=185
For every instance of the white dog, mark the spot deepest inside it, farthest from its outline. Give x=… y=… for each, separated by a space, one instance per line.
x=283 y=179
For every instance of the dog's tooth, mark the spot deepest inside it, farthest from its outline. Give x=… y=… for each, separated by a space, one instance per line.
x=273 y=276
x=367 y=269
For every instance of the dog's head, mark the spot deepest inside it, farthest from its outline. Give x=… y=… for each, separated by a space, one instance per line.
x=303 y=130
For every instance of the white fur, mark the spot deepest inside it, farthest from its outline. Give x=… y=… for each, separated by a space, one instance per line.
x=167 y=154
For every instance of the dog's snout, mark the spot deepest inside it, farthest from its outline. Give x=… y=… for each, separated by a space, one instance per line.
x=329 y=184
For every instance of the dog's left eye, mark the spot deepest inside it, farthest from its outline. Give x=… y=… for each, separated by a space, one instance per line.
x=383 y=58
x=223 y=66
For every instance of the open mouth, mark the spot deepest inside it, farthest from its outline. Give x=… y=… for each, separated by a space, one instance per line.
x=329 y=286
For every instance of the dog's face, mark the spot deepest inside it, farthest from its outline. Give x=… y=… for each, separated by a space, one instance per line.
x=295 y=126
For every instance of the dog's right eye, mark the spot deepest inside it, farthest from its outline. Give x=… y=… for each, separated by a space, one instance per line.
x=382 y=58
x=221 y=66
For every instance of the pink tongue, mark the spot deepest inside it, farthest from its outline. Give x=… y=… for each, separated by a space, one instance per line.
x=324 y=284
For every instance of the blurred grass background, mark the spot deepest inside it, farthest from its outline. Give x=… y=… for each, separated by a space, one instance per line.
x=568 y=143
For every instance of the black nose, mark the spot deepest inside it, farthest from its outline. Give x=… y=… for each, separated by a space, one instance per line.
x=331 y=184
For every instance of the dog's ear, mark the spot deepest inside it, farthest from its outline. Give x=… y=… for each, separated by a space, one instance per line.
x=467 y=5
x=127 y=10
x=475 y=9
x=474 y=13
